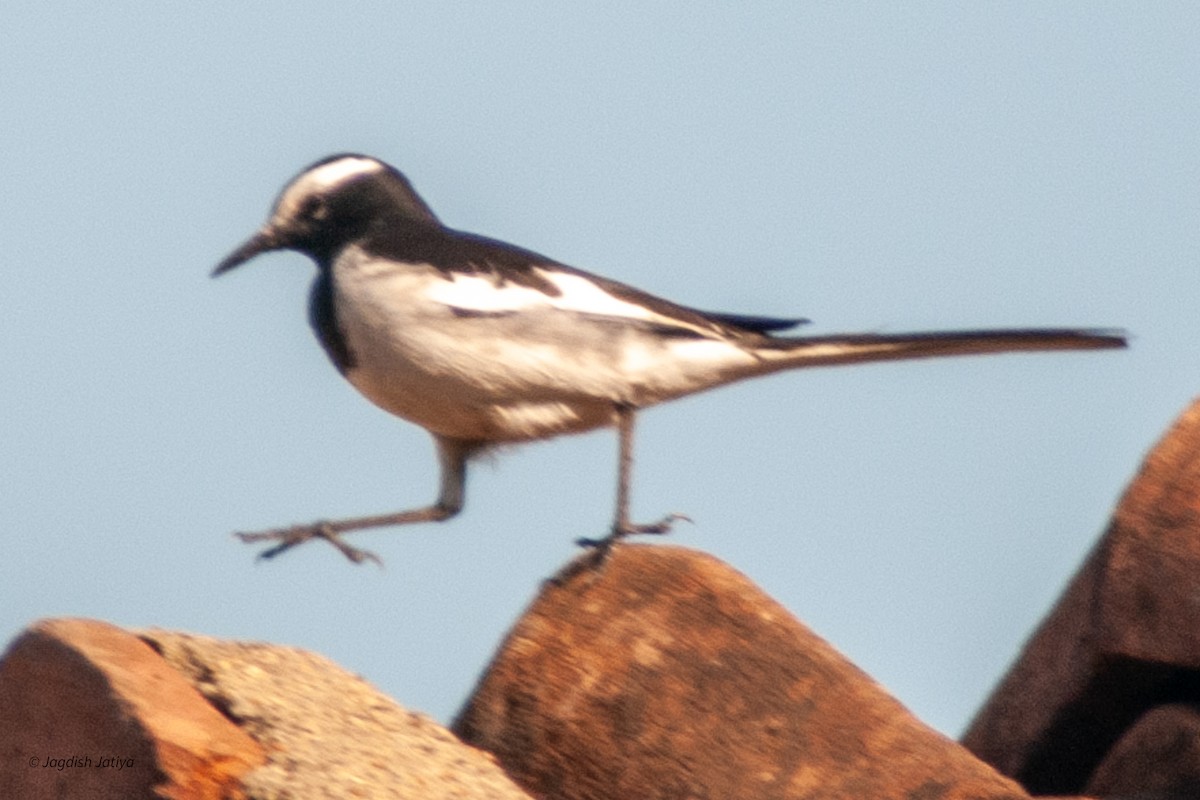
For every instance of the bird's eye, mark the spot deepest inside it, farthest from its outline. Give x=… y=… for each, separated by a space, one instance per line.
x=313 y=208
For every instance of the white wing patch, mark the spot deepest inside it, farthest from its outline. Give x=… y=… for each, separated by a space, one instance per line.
x=480 y=293
x=576 y=294
x=580 y=294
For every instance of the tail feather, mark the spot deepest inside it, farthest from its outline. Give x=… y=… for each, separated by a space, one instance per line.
x=791 y=352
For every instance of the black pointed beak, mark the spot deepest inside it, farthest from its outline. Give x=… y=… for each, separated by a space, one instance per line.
x=261 y=242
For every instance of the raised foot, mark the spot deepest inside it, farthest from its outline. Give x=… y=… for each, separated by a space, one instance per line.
x=622 y=529
x=287 y=538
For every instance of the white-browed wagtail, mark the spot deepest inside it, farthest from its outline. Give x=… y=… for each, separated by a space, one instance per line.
x=483 y=343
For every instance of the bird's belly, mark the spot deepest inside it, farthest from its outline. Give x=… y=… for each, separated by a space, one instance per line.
x=470 y=378
x=465 y=410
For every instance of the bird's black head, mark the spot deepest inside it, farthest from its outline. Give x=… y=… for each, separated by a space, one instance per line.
x=331 y=203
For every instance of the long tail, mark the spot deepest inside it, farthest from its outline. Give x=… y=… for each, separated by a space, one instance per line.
x=813 y=351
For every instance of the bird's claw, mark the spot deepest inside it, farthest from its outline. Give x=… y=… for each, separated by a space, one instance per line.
x=287 y=538
x=622 y=529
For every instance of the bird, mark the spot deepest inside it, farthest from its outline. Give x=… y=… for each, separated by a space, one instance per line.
x=484 y=343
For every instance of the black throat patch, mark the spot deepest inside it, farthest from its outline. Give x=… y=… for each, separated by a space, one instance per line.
x=323 y=319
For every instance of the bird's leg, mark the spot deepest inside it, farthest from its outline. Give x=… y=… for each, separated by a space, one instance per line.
x=452 y=457
x=621 y=526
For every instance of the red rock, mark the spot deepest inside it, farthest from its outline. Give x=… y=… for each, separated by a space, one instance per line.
x=1123 y=639
x=1158 y=757
x=88 y=710
x=669 y=675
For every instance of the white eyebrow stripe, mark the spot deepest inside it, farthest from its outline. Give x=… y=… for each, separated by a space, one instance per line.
x=318 y=181
x=335 y=172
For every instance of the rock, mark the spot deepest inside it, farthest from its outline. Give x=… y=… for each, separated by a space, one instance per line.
x=669 y=675
x=1158 y=757
x=88 y=710
x=186 y=717
x=329 y=734
x=664 y=675
x=1123 y=639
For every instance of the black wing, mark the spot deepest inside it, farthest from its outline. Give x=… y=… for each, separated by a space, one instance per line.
x=453 y=251
x=756 y=324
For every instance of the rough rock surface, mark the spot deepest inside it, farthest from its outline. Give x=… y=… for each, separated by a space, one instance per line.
x=669 y=675
x=1160 y=755
x=1123 y=640
x=187 y=718
x=664 y=675
x=329 y=734
x=88 y=710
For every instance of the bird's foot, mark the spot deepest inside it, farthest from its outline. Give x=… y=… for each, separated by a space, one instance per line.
x=603 y=546
x=287 y=538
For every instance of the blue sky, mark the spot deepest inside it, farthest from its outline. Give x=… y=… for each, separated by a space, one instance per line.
x=925 y=166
